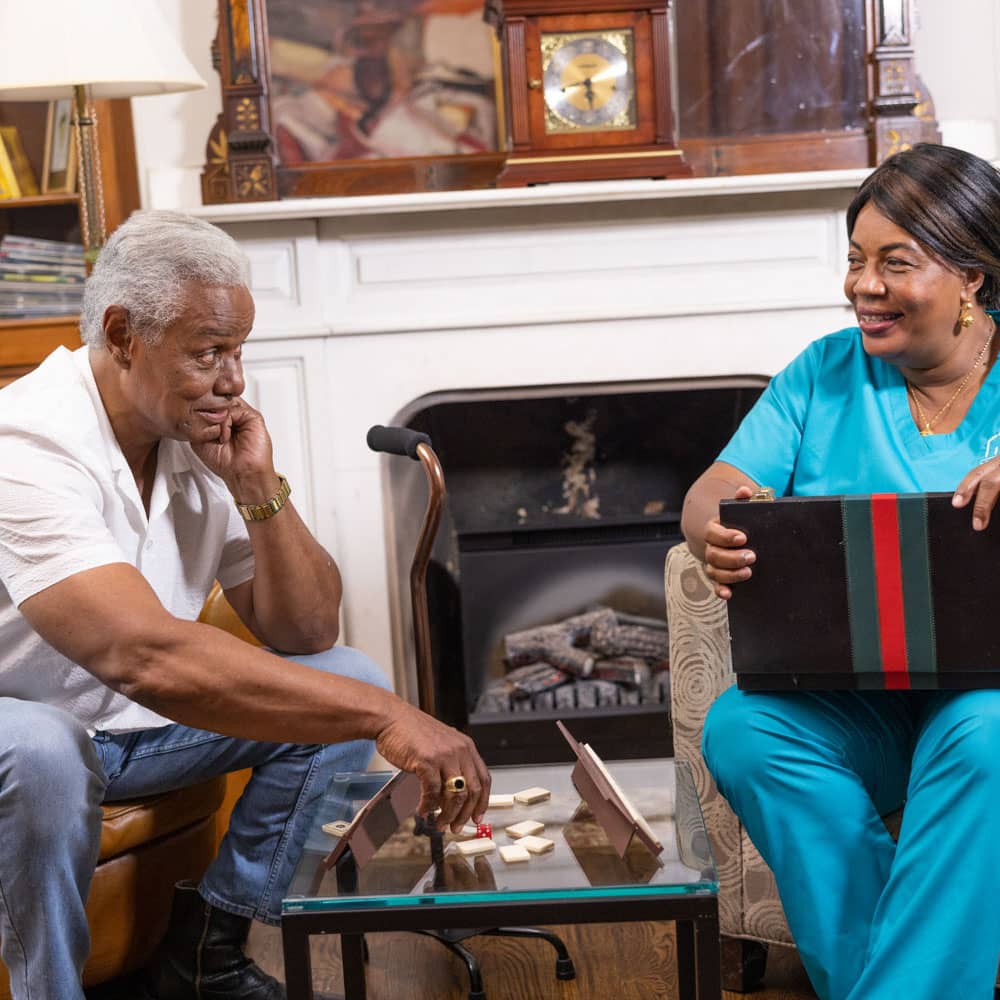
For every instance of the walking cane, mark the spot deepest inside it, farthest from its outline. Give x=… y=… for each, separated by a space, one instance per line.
x=415 y=445
x=402 y=441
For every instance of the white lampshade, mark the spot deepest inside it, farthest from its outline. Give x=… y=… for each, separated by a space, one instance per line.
x=119 y=48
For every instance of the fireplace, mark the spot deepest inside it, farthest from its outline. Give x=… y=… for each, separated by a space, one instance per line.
x=370 y=310
x=560 y=500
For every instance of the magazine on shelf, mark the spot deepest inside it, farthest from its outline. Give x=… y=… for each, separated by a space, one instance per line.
x=15 y=240
x=29 y=254
x=11 y=274
x=40 y=278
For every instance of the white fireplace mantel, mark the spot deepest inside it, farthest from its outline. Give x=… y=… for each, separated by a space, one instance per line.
x=366 y=304
x=577 y=193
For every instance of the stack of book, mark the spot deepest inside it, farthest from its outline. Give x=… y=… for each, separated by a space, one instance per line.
x=40 y=278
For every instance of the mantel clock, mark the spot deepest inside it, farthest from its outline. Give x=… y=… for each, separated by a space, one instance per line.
x=588 y=90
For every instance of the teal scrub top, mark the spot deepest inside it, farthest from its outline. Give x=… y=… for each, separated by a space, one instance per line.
x=838 y=421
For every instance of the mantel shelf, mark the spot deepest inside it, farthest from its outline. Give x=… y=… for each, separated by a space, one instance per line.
x=577 y=193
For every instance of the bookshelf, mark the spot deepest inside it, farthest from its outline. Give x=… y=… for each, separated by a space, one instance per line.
x=24 y=343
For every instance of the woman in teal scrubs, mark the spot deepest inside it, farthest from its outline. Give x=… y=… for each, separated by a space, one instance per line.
x=906 y=401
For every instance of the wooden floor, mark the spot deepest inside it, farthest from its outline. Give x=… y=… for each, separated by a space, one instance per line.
x=620 y=961
x=623 y=961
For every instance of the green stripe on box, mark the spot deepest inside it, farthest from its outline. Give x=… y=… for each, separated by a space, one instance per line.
x=921 y=646
x=862 y=599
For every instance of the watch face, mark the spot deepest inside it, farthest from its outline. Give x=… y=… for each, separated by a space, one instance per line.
x=589 y=81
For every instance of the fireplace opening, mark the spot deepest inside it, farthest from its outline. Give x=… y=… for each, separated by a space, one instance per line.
x=545 y=587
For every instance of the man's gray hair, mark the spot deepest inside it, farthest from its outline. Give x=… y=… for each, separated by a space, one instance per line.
x=145 y=266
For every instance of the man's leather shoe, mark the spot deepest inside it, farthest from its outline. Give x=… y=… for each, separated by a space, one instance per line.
x=201 y=957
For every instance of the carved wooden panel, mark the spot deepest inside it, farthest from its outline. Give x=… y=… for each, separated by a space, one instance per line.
x=895 y=123
x=240 y=155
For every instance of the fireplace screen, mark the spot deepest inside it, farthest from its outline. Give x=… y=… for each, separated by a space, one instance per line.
x=546 y=583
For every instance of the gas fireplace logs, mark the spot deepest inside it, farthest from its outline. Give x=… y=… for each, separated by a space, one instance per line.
x=598 y=658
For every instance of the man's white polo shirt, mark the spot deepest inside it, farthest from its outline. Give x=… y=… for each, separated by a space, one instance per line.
x=69 y=503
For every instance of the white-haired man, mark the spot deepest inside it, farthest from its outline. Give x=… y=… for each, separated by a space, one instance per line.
x=133 y=475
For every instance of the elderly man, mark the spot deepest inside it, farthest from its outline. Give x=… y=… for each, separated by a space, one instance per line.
x=133 y=475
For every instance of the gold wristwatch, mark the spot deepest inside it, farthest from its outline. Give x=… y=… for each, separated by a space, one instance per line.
x=262 y=511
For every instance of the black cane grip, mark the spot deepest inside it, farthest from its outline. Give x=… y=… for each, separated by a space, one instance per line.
x=397 y=440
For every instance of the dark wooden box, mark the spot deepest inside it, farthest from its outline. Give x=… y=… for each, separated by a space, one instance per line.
x=879 y=592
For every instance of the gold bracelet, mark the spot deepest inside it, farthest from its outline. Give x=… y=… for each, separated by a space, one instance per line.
x=262 y=511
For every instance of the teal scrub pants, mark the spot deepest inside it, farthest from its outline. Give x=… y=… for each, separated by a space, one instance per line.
x=810 y=775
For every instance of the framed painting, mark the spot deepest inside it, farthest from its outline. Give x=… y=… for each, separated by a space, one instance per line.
x=59 y=170
x=364 y=97
x=353 y=97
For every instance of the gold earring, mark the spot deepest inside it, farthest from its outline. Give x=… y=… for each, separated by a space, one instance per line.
x=966 y=319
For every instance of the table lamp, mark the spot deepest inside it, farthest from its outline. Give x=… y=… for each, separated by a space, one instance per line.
x=87 y=50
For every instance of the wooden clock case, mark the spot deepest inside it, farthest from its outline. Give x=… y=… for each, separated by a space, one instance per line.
x=535 y=156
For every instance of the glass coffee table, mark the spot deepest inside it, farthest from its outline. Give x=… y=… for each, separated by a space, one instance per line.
x=418 y=882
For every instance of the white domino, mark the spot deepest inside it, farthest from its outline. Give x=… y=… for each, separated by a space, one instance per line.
x=532 y=795
x=526 y=828
x=482 y=845
x=512 y=853
x=501 y=802
x=536 y=845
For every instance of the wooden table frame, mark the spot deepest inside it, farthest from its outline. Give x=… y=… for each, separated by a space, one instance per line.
x=696 y=915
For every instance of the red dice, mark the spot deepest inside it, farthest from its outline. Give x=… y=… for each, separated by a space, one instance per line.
x=485 y=830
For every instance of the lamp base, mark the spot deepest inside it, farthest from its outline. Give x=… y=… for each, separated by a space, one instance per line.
x=91 y=190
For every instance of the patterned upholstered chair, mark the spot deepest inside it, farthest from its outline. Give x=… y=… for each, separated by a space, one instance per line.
x=750 y=913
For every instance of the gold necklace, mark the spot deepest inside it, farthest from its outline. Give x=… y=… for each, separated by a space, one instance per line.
x=929 y=424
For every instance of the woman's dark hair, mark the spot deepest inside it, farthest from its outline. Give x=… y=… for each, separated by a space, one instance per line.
x=948 y=200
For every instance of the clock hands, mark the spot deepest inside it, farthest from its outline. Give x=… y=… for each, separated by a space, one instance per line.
x=607 y=73
x=588 y=87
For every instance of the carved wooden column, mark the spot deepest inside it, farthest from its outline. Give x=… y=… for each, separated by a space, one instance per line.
x=893 y=82
x=239 y=157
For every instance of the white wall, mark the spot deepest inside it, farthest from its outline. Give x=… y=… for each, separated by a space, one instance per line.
x=958 y=56
x=171 y=131
x=958 y=51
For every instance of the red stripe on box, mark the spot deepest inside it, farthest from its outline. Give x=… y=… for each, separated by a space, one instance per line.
x=889 y=591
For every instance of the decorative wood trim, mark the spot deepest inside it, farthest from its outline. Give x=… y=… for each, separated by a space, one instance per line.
x=240 y=153
x=517 y=81
x=662 y=83
x=892 y=82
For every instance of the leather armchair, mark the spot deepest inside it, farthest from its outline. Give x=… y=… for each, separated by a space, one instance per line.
x=146 y=846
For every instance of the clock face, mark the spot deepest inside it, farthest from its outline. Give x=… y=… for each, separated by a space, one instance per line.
x=589 y=81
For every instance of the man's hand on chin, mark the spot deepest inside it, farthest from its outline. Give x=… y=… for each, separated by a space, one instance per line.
x=238 y=450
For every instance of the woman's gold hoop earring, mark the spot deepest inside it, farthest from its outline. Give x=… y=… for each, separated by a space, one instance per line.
x=966 y=319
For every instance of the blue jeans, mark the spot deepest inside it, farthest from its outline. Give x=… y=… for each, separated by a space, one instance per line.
x=54 y=777
x=811 y=774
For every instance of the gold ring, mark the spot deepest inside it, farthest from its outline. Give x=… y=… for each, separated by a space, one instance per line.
x=456 y=784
